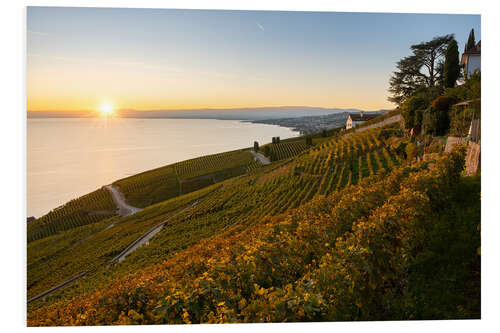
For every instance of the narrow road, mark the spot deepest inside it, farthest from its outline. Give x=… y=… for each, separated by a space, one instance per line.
x=262 y=159
x=129 y=210
x=148 y=235
x=59 y=286
x=124 y=209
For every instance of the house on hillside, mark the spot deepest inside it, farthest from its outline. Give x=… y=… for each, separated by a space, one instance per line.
x=471 y=60
x=354 y=119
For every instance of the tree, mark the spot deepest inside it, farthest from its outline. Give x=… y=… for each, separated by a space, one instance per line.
x=451 y=65
x=309 y=141
x=471 y=41
x=435 y=122
x=423 y=68
x=410 y=111
x=430 y=54
x=405 y=80
x=255 y=146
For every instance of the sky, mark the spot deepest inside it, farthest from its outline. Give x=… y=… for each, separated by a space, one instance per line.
x=157 y=59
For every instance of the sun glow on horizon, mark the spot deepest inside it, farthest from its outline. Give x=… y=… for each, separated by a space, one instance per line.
x=106 y=109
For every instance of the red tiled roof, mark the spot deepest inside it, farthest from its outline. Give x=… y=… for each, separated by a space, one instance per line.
x=475 y=50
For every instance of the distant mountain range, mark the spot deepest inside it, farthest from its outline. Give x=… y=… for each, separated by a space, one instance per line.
x=260 y=113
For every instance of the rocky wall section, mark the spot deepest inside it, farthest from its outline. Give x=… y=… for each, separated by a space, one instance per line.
x=473 y=159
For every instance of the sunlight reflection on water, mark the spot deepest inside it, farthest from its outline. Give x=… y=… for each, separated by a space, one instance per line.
x=69 y=157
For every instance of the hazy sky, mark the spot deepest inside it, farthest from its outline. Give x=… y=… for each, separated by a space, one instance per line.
x=80 y=58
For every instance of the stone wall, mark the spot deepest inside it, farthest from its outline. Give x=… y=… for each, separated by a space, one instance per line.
x=451 y=142
x=473 y=159
x=390 y=120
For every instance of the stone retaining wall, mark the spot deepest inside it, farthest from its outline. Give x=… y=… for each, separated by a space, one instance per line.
x=451 y=142
x=390 y=120
x=472 y=159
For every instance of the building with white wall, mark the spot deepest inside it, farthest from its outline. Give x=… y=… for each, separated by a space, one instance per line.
x=355 y=119
x=471 y=60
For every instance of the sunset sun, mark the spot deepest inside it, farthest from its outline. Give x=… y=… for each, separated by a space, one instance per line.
x=106 y=109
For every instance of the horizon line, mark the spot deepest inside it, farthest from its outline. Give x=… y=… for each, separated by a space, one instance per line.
x=216 y=109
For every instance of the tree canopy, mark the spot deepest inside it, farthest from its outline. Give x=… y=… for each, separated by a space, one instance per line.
x=423 y=68
x=451 y=65
x=471 y=41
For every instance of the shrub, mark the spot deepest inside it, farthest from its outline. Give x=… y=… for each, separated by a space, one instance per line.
x=400 y=149
x=435 y=122
x=436 y=147
x=411 y=151
x=387 y=133
x=470 y=90
x=443 y=103
x=411 y=109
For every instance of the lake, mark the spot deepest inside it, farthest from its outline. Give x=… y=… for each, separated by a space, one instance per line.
x=69 y=157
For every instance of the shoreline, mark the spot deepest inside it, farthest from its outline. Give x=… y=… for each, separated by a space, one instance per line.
x=108 y=178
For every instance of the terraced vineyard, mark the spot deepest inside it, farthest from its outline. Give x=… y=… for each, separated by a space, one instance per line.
x=237 y=160
x=284 y=150
x=94 y=245
x=91 y=208
x=150 y=187
x=235 y=258
x=167 y=182
x=305 y=238
x=237 y=204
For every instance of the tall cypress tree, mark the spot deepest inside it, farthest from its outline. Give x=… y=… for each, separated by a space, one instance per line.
x=451 y=65
x=471 y=42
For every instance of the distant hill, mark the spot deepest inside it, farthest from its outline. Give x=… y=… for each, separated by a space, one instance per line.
x=223 y=114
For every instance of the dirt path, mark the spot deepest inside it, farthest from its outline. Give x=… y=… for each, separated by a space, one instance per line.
x=124 y=209
x=262 y=159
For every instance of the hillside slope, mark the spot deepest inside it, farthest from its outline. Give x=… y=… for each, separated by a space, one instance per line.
x=335 y=232
x=242 y=201
x=341 y=257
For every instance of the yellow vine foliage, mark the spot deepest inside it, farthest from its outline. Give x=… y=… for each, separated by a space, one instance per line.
x=341 y=257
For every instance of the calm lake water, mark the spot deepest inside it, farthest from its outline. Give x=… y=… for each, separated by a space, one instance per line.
x=67 y=158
